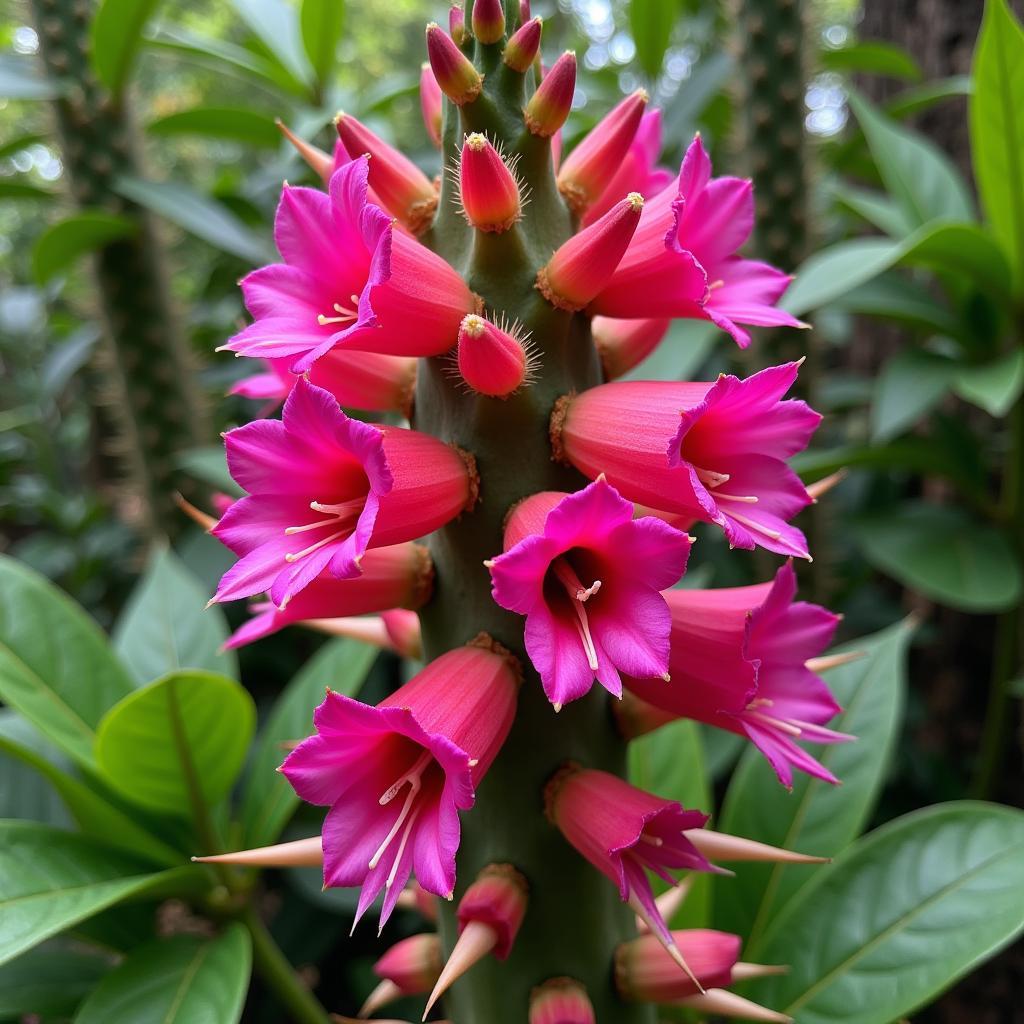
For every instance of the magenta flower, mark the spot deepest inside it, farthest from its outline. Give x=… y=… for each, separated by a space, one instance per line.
x=711 y=451
x=348 y=279
x=323 y=488
x=625 y=832
x=739 y=662
x=587 y=576
x=396 y=775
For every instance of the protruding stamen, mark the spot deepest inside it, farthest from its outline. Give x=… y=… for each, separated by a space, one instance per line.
x=393 y=873
x=412 y=776
x=824 y=663
x=756 y=527
x=578 y=593
x=711 y=478
x=294 y=556
x=345 y=316
x=475 y=942
x=781 y=724
x=747 y=499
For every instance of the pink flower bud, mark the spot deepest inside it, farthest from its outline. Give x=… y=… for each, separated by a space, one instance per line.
x=488 y=188
x=412 y=964
x=623 y=344
x=561 y=1001
x=498 y=899
x=403 y=629
x=488 y=20
x=431 y=104
x=456 y=76
x=588 y=169
x=457 y=25
x=523 y=47
x=406 y=192
x=524 y=11
x=584 y=264
x=549 y=106
x=492 y=360
x=645 y=972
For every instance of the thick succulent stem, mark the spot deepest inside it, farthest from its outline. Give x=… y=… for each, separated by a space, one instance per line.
x=151 y=407
x=575 y=918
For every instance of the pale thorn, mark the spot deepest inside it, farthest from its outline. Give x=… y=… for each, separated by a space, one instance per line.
x=369 y=629
x=719 y=846
x=745 y=972
x=828 y=661
x=302 y=853
x=407 y=900
x=668 y=903
x=728 y=1004
x=321 y=162
x=825 y=484
x=386 y=992
x=200 y=518
x=337 y=1018
x=475 y=942
x=670 y=947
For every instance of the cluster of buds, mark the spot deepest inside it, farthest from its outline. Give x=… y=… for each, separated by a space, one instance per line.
x=557 y=504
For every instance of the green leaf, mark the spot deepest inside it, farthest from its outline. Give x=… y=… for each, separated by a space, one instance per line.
x=816 y=817
x=198 y=214
x=180 y=740
x=900 y=916
x=21 y=142
x=20 y=80
x=876 y=208
x=217 y=54
x=943 y=554
x=48 y=647
x=995 y=386
x=115 y=38
x=651 y=23
x=51 y=880
x=273 y=22
x=893 y=296
x=833 y=271
x=209 y=465
x=51 y=979
x=62 y=243
x=321 y=22
x=910 y=384
x=236 y=123
x=164 y=626
x=268 y=800
x=24 y=792
x=920 y=177
x=921 y=97
x=24 y=190
x=182 y=980
x=997 y=128
x=686 y=346
x=872 y=57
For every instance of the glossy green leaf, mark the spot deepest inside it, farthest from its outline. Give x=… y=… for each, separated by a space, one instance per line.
x=876 y=208
x=198 y=214
x=17 y=190
x=62 y=243
x=268 y=800
x=993 y=386
x=894 y=296
x=115 y=38
x=943 y=554
x=236 y=123
x=997 y=128
x=165 y=626
x=321 y=22
x=681 y=354
x=216 y=54
x=837 y=269
x=651 y=23
x=873 y=57
x=20 y=80
x=910 y=384
x=185 y=979
x=900 y=916
x=919 y=176
x=48 y=646
x=816 y=817
x=51 y=880
x=922 y=97
x=50 y=980
x=275 y=24
x=25 y=792
x=180 y=740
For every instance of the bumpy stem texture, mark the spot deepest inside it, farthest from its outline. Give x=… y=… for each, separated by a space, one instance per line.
x=150 y=404
x=575 y=919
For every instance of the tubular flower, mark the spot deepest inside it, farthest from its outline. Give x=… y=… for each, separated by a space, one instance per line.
x=323 y=488
x=623 y=344
x=711 y=451
x=349 y=279
x=396 y=775
x=683 y=261
x=587 y=576
x=400 y=576
x=625 y=832
x=644 y=972
x=739 y=662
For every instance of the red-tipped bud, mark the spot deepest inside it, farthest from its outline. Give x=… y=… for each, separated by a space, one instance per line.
x=487 y=187
x=453 y=70
x=623 y=344
x=523 y=47
x=430 y=104
x=561 y=1001
x=645 y=972
x=406 y=192
x=493 y=361
x=549 y=106
x=588 y=169
x=457 y=25
x=488 y=20
x=322 y=163
x=524 y=11
x=412 y=964
x=584 y=264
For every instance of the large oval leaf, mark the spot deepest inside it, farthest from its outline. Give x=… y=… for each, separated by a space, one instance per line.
x=48 y=648
x=182 y=980
x=238 y=123
x=49 y=980
x=116 y=35
x=651 y=23
x=900 y=916
x=177 y=744
x=815 y=817
x=321 y=22
x=62 y=243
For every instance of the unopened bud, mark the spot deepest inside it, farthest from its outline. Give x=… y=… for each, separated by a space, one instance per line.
x=492 y=360
x=488 y=189
x=431 y=104
x=488 y=20
x=549 y=106
x=457 y=25
x=646 y=972
x=523 y=47
x=458 y=79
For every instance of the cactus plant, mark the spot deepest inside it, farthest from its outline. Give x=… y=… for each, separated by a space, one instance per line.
x=151 y=407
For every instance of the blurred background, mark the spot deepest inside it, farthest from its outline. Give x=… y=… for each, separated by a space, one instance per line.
x=133 y=198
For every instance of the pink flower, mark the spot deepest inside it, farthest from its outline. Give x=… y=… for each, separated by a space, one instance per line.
x=644 y=972
x=349 y=279
x=400 y=576
x=323 y=488
x=396 y=775
x=625 y=832
x=587 y=576
x=683 y=260
x=739 y=663
x=711 y=451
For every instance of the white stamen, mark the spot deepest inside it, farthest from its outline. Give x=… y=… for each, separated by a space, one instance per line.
x=652 y=840
x=346 y=314
x=711 y=478
x=775 y=723
x=296 y=555
x=579 y=594
x=393 y=873
x=399 y=822
x=749 y=499
x=412 y=776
